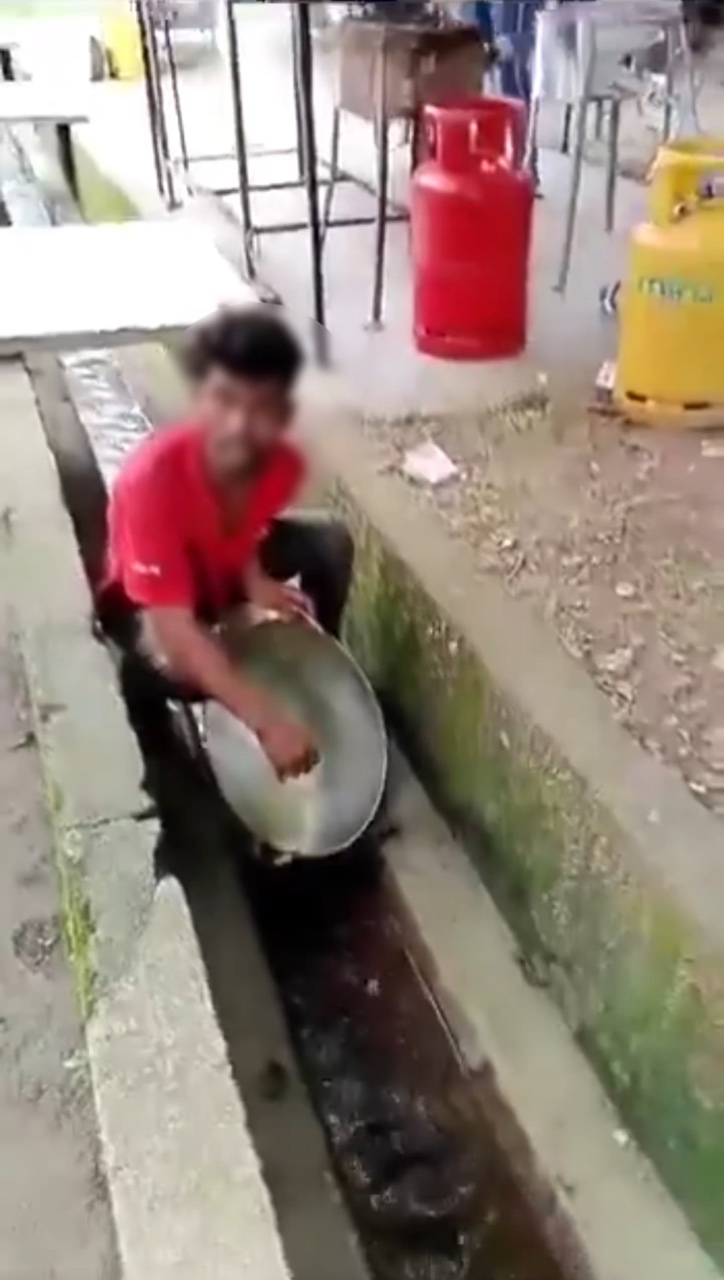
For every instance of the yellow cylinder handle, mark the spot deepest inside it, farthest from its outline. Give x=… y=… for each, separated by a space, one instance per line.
x=686 y=175
x=711 y=194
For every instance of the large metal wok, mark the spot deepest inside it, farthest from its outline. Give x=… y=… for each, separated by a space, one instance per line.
x=317 y=681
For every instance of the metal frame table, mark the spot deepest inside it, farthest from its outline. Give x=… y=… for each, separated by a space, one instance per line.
x=312 y=173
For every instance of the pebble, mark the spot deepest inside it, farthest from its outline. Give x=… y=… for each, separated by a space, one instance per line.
x=712 y=449
x=618 y=663
x=715 y=748
x=625 y=590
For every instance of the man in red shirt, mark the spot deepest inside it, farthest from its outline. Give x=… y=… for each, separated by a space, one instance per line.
x=196 y=526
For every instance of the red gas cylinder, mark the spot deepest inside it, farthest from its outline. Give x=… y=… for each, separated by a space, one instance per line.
x=471 y=216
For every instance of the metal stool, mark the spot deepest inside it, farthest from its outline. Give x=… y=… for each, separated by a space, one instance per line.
x=585 y=56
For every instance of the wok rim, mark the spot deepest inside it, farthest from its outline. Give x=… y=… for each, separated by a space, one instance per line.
x=328 y=852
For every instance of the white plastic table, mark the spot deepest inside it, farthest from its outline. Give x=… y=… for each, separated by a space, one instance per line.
x=109 y=284
x=37 y=103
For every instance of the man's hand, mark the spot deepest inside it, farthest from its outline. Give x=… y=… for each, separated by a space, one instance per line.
x=196 y=657
x=289 y=747
x=280 y=598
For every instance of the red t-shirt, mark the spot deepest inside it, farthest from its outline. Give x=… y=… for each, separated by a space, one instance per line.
x=166 y=545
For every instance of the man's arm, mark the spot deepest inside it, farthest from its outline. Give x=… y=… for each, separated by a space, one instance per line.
x=158 y=580
x=194 y=656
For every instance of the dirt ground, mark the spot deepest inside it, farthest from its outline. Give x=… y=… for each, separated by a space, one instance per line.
x=617 y=538
x=55 y=1221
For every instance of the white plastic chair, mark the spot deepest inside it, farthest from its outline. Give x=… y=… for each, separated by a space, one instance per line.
x=585 y=54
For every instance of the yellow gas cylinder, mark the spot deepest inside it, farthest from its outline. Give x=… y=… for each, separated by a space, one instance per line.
x=670 y=364
x=121 y=39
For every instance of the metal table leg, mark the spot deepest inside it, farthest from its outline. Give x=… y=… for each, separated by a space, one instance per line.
x=164 y=148
x=7 y=70
x=614 y=130
x=334 y=147
x=382 y=130
x=242 y=163
x=304 y=74
x=176 y=95
x=67 y=159
x=301 y=158
x=690 y=120
x=152 y=107
x=669 y=82
x=566 y=136
x=588 y=60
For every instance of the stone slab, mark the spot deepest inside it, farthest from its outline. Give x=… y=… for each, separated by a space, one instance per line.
x=564 y=1139
x=108 y=284
x=188 y=1194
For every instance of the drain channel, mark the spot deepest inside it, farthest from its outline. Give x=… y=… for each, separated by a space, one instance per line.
x=428 y=1190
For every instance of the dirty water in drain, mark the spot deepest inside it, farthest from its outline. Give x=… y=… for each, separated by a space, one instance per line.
x=430 y=1193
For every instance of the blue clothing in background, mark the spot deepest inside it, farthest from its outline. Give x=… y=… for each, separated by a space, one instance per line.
x=483 y=19
x=514 y=21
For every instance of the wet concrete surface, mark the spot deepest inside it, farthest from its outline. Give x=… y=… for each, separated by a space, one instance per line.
x=55 y=1221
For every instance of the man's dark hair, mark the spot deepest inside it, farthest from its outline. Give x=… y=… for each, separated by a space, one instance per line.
x=253 y=343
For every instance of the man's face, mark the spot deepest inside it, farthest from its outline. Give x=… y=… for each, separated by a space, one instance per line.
x=243 y=419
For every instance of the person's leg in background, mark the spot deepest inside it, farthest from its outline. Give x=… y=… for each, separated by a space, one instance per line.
x=319 y=551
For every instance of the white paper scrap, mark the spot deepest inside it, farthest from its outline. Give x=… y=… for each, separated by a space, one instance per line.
x=428 y=464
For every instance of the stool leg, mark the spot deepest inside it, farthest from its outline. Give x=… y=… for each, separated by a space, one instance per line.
x=67 y=159
x=383 y=169
x=382 y=129
x=692 y=109
x=598 y=121
x=333 y=169
x=614 y=130
x=531 y=137
x=579 y=143
x=567 y=122
x=669 y=83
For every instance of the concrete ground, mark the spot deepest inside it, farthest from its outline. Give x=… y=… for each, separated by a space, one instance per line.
x=569 y=339
x=55 y=1220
